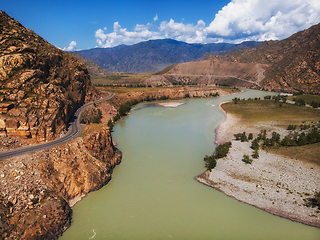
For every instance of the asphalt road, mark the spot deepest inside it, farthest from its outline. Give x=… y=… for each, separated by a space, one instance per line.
x=74 y=130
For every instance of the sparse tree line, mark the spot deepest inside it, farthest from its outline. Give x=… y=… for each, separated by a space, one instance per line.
x=221 y=151
x=126 y=107
x=281 y=99
x=292 y=139
x=187 y=95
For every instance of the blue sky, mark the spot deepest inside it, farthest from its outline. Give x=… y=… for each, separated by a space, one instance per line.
x=76 y=25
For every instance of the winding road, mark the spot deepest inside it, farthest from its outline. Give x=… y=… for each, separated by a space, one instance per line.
x=74 y=130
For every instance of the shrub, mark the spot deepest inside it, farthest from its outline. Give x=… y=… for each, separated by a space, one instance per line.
x=244 y=137
x=250 y=137
x=210 y=162
x=292 y=127
x=110 y=124
x=255 y=144
x=222 y=150
x=247 y=159
x=255 y=153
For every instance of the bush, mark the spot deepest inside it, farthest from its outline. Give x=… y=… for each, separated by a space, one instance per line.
x=210 y=162
x=255 y=144
x=300 y=102
x=255 y=153
x=97 y=118
x=246 y=159
x=110 y=124
x=262 y=135
x=244 y=137
x=292 y=127
x=222 y=150
x=250 y=137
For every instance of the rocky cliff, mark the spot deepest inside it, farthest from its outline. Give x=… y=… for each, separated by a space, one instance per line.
x=39 y=189
x=40 y=86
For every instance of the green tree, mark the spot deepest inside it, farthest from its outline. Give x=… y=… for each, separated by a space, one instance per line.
x=210 y=162
x=255 y=153
x=110 y=124
x=247 y=159
x=222 y=150
x=255 y=144
x=244 y=137
x=250 y=137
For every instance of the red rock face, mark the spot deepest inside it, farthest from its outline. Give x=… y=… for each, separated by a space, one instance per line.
x=39 y=84
x=39 y=189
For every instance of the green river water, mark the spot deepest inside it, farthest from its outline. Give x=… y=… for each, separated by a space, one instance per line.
x=153 y=194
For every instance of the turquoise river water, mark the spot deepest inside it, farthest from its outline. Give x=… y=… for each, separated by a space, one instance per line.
x=153 y=193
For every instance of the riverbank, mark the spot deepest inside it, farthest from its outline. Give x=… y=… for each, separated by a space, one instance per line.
x=278 y=185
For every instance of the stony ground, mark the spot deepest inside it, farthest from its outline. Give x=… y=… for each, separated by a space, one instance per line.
x=278 y=185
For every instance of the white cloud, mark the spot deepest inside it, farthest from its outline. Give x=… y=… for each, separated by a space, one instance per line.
x=264 y=19
x=72 y=47
x=155 y=18
x=240 y=20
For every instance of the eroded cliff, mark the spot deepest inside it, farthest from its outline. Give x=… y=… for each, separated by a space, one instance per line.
x=40 y=86
x=39 y=189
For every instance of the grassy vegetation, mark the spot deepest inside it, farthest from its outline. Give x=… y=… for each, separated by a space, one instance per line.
x=308 y=153
x=308 y=98
x=129 y=90
x=282 y=114
x=90 y=128
x=104 y=81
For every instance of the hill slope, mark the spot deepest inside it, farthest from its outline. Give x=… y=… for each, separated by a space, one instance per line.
x=94 y=70
x=154 y=55
x=294 y=63
x=289 y=65
x=40 y=86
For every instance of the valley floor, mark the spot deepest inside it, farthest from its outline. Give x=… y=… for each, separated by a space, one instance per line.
x=279 y=185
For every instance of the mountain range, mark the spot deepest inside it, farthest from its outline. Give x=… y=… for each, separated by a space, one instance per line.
x=155 y=55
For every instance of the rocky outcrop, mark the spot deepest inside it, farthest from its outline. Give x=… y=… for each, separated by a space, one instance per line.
x=40 y=86
x=39 y=189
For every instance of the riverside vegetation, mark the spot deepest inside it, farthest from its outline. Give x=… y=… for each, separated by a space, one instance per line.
x=282 y=155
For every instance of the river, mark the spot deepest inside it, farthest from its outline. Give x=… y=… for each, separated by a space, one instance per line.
x=153 y=194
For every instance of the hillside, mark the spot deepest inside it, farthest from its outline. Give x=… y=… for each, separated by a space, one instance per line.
x=40 y=86
x=294 y=63
x=94 y=70
x=154 y=55
x=289 y=65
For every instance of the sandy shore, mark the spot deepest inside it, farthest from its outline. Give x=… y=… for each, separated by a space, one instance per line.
x=278 y=185
x=170 y=104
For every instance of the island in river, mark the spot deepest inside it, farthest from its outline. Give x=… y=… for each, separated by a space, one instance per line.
x=281 y=185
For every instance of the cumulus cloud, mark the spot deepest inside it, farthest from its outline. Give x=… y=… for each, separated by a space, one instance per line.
x=240 y=20
x=72 y=47
x=263 y=19
x=155 y=18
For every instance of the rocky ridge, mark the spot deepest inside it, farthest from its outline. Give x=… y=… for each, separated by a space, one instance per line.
x=289 y=65
x=39 y=189
x=40 y=86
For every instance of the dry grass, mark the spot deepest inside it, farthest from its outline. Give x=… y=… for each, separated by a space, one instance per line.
x=90 y=128
x=252 y=112
x=268 y=112
x=308 y=98
x=308 y=153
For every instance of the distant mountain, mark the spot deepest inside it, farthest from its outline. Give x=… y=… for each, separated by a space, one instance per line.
x=154 y=55
x=94 y=70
